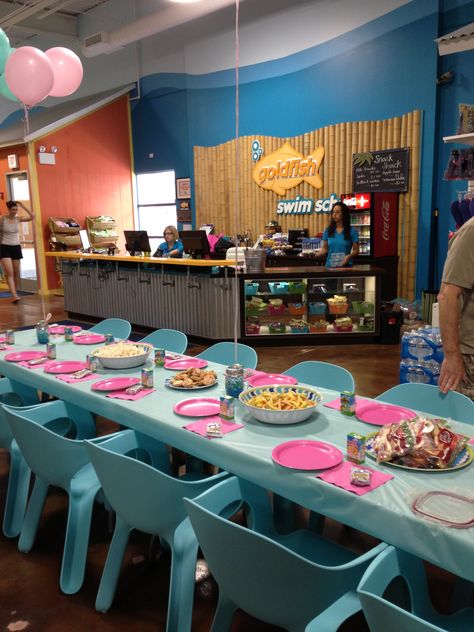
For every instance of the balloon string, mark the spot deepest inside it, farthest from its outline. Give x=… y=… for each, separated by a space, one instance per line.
x=26 y=109
x=236 y=201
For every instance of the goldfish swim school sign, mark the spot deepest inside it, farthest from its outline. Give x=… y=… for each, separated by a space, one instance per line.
x=286 y=168
x=302 y=206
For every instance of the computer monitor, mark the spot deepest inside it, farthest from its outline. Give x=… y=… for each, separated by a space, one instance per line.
x=295 y=235
x=136 y=241
x=85 y=243
x=195 y=243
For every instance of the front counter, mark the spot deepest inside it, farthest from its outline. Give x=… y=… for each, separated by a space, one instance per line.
x=197 y=297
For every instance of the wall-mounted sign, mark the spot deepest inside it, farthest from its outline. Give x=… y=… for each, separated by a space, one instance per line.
x=302 y=206
x=12 y=161
x=183 y=212
x=286 y=168
x=385 y=170
x=183 y=188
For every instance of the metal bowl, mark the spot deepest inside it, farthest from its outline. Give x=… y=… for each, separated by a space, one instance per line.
x=124 y=362
x=281 y=416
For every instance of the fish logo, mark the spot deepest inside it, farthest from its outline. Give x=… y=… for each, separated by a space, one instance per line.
x=286 y=168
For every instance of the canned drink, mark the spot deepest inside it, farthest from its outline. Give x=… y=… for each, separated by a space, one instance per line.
x=109 y=339
x=51 y=350
x=68 y=334
x=226 y=410
x=355 y=447
x=348 y=403
x=147 y=377
x=159 y=357
x=10 y=336
x=92 y=363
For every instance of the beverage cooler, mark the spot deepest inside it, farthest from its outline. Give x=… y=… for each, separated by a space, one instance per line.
x=375 y=216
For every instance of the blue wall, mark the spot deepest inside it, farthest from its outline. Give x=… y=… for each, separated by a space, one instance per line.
x=385 y=68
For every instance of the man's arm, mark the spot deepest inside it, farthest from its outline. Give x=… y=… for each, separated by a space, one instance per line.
x=452 y=369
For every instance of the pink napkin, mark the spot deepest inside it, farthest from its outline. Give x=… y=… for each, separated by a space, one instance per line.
x=67 y=377
x=35 y=366
x=200 y=426
x=133 y=398
x=336 y=403
x=471 y=441
x=341 y=476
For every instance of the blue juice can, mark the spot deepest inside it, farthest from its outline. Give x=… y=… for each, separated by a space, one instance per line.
x=10 y=337
x=226 y=410
x=109 y=339
x=147 y=377
x=51 y=350
x=68 y=334
x=159 y=357
x=348 y=403
x=92 y=363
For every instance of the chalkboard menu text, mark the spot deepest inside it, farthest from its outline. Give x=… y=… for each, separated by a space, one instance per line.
x=385 y=170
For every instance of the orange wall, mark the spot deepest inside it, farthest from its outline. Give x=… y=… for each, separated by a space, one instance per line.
x=92 y=174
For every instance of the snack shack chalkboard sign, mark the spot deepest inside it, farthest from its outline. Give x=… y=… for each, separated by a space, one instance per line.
x=385 y=170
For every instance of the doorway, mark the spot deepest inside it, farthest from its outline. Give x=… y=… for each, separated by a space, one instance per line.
x=18 y=189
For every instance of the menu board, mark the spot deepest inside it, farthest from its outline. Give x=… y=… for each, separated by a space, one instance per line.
x=385 y=170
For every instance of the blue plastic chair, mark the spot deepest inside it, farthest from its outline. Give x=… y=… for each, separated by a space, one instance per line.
x=119 y=327
x=430 y=399
x=383 y=614
x=147 y=497
x=224 y=353
x=15 y=394
x=62 y=462
x=169 y=339
x=299 y=581
x=322 y=374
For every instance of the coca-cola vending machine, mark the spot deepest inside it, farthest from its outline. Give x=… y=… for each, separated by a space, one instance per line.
x=375 y=216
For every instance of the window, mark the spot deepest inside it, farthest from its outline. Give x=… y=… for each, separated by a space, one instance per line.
x=156 y=204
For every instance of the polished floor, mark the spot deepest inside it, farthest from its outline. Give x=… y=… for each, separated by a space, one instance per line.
x=30 y=598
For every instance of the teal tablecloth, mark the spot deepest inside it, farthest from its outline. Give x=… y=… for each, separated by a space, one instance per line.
x=384 y=513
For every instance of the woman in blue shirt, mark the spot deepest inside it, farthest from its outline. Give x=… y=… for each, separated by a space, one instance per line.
x=340 y=242
x=172 y=246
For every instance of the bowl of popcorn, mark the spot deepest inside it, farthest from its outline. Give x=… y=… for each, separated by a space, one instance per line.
x=123 y=355
x=338 y=304
x=280 y=404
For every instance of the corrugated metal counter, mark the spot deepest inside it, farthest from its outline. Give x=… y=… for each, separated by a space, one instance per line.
x=177 y=294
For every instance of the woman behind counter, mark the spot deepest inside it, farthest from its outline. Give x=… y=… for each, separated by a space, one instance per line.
x=340 y=242
x=172 y=246
x=10 y=249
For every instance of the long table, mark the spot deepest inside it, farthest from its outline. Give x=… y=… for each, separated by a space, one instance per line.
x=384 y=513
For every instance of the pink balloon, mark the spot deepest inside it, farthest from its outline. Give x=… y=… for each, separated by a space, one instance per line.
x=29 y=75
x=67 y=71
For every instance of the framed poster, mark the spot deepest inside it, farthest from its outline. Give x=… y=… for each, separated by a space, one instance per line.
x=183 y=188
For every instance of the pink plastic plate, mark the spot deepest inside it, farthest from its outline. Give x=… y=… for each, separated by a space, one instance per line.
x=115 y=383
x=380 y=414
x=64 y=367
x=88 y=339
x=267 y=379
x=307 y=455
x=59 y=329
x=198 y=407
x=185 y=363
x=25 y=356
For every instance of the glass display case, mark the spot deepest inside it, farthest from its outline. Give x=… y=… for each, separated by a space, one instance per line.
x=319 y=305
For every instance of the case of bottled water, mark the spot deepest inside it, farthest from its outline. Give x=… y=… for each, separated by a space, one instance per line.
x=421 y=356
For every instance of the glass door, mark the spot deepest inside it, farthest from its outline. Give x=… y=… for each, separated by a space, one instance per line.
x=18 y=189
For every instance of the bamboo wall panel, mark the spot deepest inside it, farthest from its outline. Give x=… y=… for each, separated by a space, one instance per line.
x=227 y=196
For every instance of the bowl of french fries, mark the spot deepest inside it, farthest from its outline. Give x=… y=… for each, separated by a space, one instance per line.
x=280 y=404
x=123 y=354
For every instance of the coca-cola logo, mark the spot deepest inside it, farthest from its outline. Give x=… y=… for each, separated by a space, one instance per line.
x=386 y=220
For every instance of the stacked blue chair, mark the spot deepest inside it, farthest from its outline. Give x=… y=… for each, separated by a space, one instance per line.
x=118 y=327
x=322 y=374
x=169 y=339
x=62 y=462
x=298 y=581
x=431 y=400
x=224 y=353
x=135 y=474
x=384 y=615
x=15 y=394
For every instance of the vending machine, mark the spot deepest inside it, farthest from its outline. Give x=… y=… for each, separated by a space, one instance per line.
x=375 y=216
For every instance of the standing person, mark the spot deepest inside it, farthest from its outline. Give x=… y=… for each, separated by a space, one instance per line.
x=10 y=249
x=172 y=246
x=456 y=313
x=340 y=242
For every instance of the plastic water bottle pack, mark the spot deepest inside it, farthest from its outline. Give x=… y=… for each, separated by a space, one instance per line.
x=421 y=356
